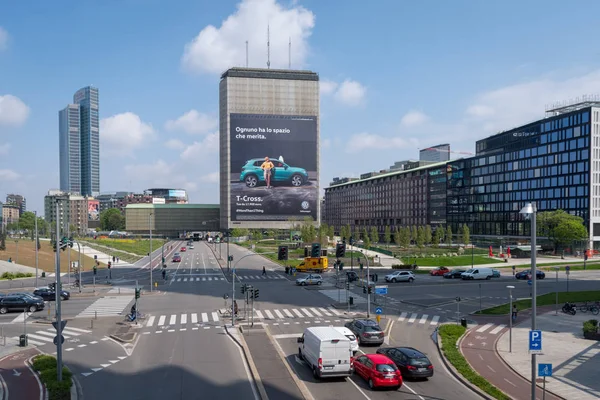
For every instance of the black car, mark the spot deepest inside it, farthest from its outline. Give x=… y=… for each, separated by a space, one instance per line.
x=454 y=274
x=524 y=274
x=20 y=303
x=50 y=295
x=411 y=362
x=351 y=276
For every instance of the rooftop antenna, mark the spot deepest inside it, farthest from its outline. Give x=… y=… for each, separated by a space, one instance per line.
x=290 y=54
x=268 y=48
x=246 y=54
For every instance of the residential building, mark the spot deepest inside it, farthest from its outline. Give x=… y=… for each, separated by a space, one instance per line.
x=79 y=144
x=171 y=220
x=10 y=214
x=73 y=210
x=18 y=200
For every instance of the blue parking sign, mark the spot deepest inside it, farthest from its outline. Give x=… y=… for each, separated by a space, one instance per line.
x=535 y=341
x=378 y=310
x=544 y=370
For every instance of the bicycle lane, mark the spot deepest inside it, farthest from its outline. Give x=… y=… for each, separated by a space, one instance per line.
x=19 y=381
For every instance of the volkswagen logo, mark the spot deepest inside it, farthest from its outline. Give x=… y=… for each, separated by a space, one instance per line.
x=305 y=205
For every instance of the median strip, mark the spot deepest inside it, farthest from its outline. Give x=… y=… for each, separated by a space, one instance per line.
x=544 y=300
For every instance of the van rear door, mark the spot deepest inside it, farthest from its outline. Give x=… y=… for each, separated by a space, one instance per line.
x=335 y=355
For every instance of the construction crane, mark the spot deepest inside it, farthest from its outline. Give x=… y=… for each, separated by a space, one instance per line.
x=449 y=151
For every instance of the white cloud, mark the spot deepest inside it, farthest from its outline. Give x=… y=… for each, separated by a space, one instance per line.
x=175 y=144
x=4 y=148
x=327 y=87
x=364 y=141
x=3 y=39
x=216 y=49
x=413 y=118
x=212 y=177
x=350 y=93
x=8 y=175
x=12 y=111
x=124 y=133
x=199 y=151
x=325 y=143
x=192 y=122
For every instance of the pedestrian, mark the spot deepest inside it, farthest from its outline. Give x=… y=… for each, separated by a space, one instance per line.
x=117 y=259
x=164 y=274
x=113 y=258
x=264 y=271
x=235 y=307
x=514 y=312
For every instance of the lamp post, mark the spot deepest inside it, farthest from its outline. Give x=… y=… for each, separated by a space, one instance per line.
x=510 y=288
x=368 y=286
x=530 y=210
x=150 y=229
x=556 y=269
x=36 y=250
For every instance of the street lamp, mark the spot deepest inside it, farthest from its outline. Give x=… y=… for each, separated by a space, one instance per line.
x=36 y=250
x=510 y=288
x=556 y=269
x=530 y=210
x=150 y=229
x=368 y=286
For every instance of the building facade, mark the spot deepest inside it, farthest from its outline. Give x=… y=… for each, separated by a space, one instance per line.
x=414 y=196
x=79 y=144
x=17 y=200
x=171 y=220
x=438 y=153
x=10 y=214
x=73 y=210
x=171 y=196
x=275 y=114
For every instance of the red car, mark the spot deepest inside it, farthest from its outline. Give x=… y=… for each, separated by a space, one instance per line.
x=183 y=249
x=439 y=271
x=378 y=370
x=176 y=258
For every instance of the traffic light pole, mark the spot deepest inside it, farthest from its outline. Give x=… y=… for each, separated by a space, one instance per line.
x=68 y=253
x=233 y=287
x=57 y=288
x=368 y=286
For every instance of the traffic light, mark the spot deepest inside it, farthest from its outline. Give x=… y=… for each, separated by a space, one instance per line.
x=230 y=258
x=137 y=293
x=95 y=270
x=340 y=250
x=71 y=241
x=256 y=293
x=243 y=289
x=351 y=241
x=315 y=250
x=370 y=290
x=109 y=265
x=364 y=289
x=306 y=252
x=282 y=253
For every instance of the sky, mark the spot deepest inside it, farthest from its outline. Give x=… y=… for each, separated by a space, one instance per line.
x=395 y=77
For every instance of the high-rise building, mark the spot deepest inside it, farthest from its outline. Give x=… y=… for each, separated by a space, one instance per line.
x=79 y=144
x=17 y=200
x=73 y=210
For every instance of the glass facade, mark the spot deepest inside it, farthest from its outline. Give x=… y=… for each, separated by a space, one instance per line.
x=547 y=162
x=70 y=149
x=87 y=99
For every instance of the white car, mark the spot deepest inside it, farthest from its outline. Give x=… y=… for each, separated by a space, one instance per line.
x=400 y=276
x=350 y=335
x=310 y=279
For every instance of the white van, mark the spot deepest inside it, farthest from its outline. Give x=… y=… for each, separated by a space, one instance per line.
x=477 y=273
x=350 y=335
x=326 y=351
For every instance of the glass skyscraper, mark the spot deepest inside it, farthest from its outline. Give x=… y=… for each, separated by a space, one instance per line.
x=79 y=144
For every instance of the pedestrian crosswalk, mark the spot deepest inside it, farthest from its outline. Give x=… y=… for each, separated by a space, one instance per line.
x=197 y=278
x=245 y=278
x=415 y=318
x=495 y=329
x=259 y=277
x=106 y=306
x=42 y=337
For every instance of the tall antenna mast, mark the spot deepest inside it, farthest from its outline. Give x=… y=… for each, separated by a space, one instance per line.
x=290 y=54
x=246 y=54
x=268 y=48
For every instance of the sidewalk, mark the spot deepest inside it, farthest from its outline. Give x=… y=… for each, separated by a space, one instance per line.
x=384 y=260
x=20 y=381
x=102 y=257
x=575 y=360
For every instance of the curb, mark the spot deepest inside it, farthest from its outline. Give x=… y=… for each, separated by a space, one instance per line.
x=455 y=372
x=517 y=372
x=118 y=339
x=250 y=361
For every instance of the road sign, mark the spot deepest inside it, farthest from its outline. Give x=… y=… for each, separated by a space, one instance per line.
x=379 y=310
x=535 y=341
x=62 y=324
x=544 y=370
x=529 y=282
x=568 y=268
x=62 y=339
x=381 y=289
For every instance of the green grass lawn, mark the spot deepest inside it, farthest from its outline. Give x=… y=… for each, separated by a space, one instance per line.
x=140 y=247
x=450 y=261
x=450 y=335
x=545 y=300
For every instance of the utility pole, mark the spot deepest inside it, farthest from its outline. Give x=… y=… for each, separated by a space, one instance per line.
x=150 y=228
x=36 y=251
x=68 y=252
x=57 y=290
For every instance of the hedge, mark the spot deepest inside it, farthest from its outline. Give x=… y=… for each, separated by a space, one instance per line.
x=450 y=335
x=46 y=366
x=15 y=275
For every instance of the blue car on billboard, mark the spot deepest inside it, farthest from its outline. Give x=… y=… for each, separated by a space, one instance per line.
x=252 y=174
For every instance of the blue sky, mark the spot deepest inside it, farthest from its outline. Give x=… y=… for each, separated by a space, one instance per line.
x=396 y=76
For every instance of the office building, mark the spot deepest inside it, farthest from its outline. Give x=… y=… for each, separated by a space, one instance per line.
x=171 y=220
x=170 y=196
x=438 y=153
x=275 y=114
x=73 y=210
x=79 y=144
x=17 y=200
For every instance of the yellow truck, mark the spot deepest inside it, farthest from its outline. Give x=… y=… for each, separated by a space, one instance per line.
x=313 y=264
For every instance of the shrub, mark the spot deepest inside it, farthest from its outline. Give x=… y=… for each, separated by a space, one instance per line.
x=590 y=326
x=46 y=366
x=43 y=362
x=461 y=250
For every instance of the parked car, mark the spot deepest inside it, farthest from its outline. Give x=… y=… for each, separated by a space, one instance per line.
x=411 y=362
x=252 y=174
x=348 y=333
x=367 y=331
x=310 y=279
x=400 y=276
x=439 y=271
x=20 y=303
x=454 y=274
x=351 y=276
x=525 y=274
x=378 y=370
x=477 y=273
x=495 y=273
x=50 y=295
x=326 y=351
x=183 y=249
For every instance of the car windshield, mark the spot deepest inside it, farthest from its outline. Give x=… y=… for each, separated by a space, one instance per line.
x=386 y=368
x=421 y=361
x=372 y=328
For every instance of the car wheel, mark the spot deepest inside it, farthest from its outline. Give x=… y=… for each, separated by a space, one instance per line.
x=397 y=387
x=487 y=278
x=64 y=297
x=251 y=181
x=297 y=180
x=300 y=354
x=315 y=372
x=319 y=283
x=3 y=310
x=410 y=280
x=371 y=384
x=303 y=283
x=32 y=309
x=394 y=280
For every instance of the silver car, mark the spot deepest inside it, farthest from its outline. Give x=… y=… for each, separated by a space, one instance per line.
x=310 y=279
x=367 y=331
x=400 y=276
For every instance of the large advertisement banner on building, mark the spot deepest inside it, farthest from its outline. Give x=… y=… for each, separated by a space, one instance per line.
x=273 y=167
x=93 y=210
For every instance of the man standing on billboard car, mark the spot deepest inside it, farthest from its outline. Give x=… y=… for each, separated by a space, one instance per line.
x=267 y=168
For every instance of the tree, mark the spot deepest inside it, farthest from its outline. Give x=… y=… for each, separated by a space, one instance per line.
x=396 y=236
x=27 y=221
x=307 y=230
x=322 y=233
x=437 y=237
x=345 y=232
x=448 y=235
x=112 y=220
x=366 y=239
x=466 y=234
x=331 y=231
x=413 y=233
x=428 y=235
x=2 y=241
x=405 y=237
x=387 y=236
x=555 y=226
x=374 y=235
x=239 y=232
x=420 y=236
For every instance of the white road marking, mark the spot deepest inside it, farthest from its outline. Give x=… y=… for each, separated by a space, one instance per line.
x=298 y=313
x=173 y=319
x=259 y=314
x=215 y=317
x=194 y=318
x=161 y=320
x=402 y=316
x=183 y=319
x=305 y=311
x=325 y=312
x=412 y=318
x=497 y=329
x=485 y=328
x=204 y=317
x=288 y=336
x=279 y=314
x=334 y=311
x=269 y=315
x=423 y=319
x=150 y=321
x=287 y=313
x=434 y=320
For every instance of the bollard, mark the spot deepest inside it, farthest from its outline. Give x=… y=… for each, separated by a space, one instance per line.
x=95 y=314
x=92 y=324
x=119 y=290
x=155 y=284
